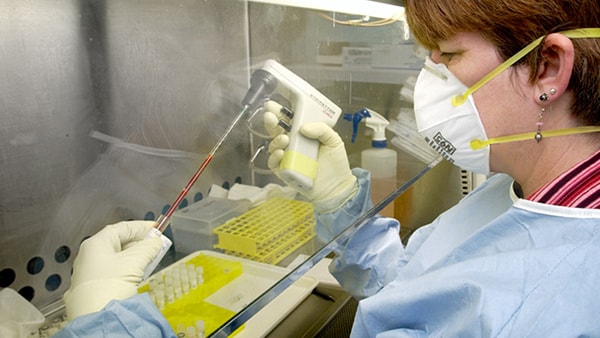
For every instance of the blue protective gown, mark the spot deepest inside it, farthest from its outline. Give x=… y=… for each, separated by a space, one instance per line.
x=133 y=317
x=492 y=266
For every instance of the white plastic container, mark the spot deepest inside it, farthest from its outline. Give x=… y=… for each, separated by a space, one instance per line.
x=193 y=225
x=379 y=160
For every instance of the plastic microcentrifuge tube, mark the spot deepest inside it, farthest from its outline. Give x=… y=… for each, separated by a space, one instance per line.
x=183 y=270
x=180 y=329
x=190 y=331
x=191 y=269
x=161 y=304
x=153 y=284
x=160 y=298
x=199 y=275
x=168 y=280
x=176 y=276
x=44 y=330
x=200 y=328
x=56 y=322
x=185 y=284
x=170 y=295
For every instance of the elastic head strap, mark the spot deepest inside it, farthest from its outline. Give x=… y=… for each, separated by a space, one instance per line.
x=580 y=33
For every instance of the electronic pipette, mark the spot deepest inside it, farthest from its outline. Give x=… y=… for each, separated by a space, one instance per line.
x=262 y=83
x=298 y=166
x=299 y=163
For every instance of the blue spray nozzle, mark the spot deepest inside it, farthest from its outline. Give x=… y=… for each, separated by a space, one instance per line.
x=356 y=118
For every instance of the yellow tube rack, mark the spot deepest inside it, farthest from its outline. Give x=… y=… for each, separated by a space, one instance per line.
x=268 y=232
x=186 y=309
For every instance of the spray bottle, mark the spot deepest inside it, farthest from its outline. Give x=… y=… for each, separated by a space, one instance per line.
x=379 y=160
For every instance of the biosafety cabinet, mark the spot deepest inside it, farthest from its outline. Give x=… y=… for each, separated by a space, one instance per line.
x=109 y=107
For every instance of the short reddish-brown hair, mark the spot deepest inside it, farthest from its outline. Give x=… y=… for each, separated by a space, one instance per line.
x=511 y=25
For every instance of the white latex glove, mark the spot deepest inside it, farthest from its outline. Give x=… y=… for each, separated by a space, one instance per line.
x=334 y=184
x=110 y=265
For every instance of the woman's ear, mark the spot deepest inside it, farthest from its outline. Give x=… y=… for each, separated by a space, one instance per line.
x=557 y=64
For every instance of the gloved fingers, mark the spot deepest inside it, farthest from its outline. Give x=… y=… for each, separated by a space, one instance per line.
x=105 y=241
x=147 y=248
x=278 y=143
x=131 y=231
x=271 y=118
x=275 y=108
x=136 y=257
x=113 y=239
x=275 y=159
x=322 y=132
x=271 y=123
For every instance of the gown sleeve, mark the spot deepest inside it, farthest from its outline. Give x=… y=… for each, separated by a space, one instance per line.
x=371 y=258
x=136 y=316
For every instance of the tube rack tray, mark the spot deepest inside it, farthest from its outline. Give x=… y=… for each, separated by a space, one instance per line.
x=268 y=232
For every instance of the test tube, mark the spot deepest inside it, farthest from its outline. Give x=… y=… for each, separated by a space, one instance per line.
x=169 y=280
x=170 y=295
x=160 y=298
x=190 y=331
x=199 y=275
x=185 y=283
x=176 y=278
x=153 y=283
x=191 y=270
x=44 y=330
x=181 y=329
x=200 y=328
x=192 y=276
x=56 y=322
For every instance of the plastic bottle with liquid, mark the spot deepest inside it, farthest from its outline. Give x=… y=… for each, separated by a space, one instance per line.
x=379 y=160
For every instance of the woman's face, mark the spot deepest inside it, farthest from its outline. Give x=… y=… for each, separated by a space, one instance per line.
x=502 y=103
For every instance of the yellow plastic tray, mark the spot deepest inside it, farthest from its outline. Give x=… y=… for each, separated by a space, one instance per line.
x=269 y=231
x=281 y=247
x=189 y=307
x=230 y=284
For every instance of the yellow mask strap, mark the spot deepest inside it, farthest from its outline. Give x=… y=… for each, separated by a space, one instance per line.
x=478 y=144
x=580 y=33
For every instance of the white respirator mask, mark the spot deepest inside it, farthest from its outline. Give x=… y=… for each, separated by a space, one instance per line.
x=447 y=128
x=447 y=118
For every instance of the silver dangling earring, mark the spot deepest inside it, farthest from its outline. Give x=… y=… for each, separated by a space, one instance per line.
x=543 y=98
x=538 y=134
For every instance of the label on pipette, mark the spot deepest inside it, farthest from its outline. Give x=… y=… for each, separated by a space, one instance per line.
x=166 y=244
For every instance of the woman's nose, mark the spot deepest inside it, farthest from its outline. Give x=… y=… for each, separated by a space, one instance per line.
x=436 y=56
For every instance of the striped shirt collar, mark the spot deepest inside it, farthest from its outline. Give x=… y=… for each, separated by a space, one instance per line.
x=578 y=187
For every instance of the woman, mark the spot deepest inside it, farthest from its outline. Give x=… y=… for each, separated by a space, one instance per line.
x=518 y=256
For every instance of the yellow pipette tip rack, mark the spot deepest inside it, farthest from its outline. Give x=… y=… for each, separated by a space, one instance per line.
x=269 y=232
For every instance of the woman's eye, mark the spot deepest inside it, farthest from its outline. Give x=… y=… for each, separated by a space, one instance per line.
x=447 y=56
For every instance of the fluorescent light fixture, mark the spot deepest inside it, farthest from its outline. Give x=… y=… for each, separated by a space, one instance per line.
x=357 y=7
